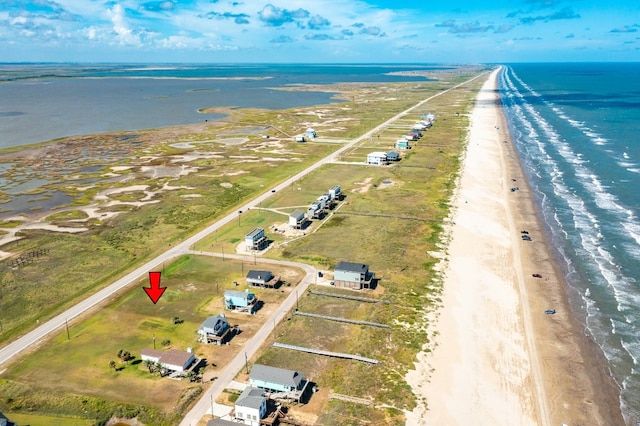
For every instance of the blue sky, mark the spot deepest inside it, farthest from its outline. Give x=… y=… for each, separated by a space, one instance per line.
x=319 y=31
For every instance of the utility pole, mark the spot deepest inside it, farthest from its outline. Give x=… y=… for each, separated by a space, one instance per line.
x=154 y=341
x=246 y=362
x=66 y=323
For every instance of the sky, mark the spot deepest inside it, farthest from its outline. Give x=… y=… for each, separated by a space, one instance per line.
x=319 y=31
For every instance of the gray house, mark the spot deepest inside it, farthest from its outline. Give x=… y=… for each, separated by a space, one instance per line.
x=214 y=329
x=276 y=379
x=261 y=278
x=355 y=276
x=251 y=406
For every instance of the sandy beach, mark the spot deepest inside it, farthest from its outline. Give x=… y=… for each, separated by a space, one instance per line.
x=496 y=357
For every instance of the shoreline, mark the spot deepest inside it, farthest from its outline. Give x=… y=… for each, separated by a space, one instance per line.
x=495 y=356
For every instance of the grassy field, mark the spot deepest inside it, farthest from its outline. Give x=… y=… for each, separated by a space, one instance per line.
x=391 y=218
x=195 y=284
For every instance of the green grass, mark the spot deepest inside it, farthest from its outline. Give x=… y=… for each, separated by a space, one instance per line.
x=38 y=420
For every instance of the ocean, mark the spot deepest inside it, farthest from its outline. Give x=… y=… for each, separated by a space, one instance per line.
x=576 y=128
x=40 y=102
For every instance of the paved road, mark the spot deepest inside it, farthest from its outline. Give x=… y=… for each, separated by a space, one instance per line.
x=23 y=343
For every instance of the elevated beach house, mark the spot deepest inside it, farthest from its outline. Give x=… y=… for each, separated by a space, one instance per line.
x=281 y=383
x=377 y=158
x=261 y=278
x=297 y=219
x=355 y=276
x=393 y=156
x=251 y=406
x=256 y=240
x=172 y=359
x=242 y=301
x=402 y=144
x=214 y=329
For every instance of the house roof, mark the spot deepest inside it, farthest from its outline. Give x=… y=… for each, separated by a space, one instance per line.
x=221 y=422
x=259 y=275
x=238 y=294
x=392 y=154
x=171 y=356
x=351 y=267
x=276 y=375
x=255 y=232
x=217 y=323
x=297 y=213
x=377 y=154
x=251 y=398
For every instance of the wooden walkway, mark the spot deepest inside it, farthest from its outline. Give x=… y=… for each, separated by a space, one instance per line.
x=351 y=399
x=326 y=353
x=346 y=296
x=392 y=216
x=338 y=319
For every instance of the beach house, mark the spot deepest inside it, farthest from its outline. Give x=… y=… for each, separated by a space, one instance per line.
x=172 y=359
x=402 y=144
x=355 y=276
x=377 y=158
x=261 y=279
x=242 y=301
x=251 y=406
x=280 y=382
x=256 y=240
x=297 y=219
x=214 y=329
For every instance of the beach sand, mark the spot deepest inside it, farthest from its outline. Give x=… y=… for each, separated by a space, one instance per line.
x=495 y=357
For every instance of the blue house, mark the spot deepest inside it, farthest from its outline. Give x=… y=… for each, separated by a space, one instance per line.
x=242 y=301
x=276 y=379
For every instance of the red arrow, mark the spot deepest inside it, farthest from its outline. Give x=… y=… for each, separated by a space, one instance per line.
x=155 y=291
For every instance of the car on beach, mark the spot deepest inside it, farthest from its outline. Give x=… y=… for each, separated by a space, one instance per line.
x=537 y=276
x=525 y=237
x=550 y=311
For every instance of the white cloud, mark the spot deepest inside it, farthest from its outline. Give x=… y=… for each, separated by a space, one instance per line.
x=125 y=34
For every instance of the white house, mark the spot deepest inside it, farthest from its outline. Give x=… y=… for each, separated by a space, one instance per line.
x=378 y=158
x=256 y=240
x=172 y=359
x=251 y=406
x=297 y=219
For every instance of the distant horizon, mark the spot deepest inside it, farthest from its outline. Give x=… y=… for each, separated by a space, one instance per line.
x=416 y=64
